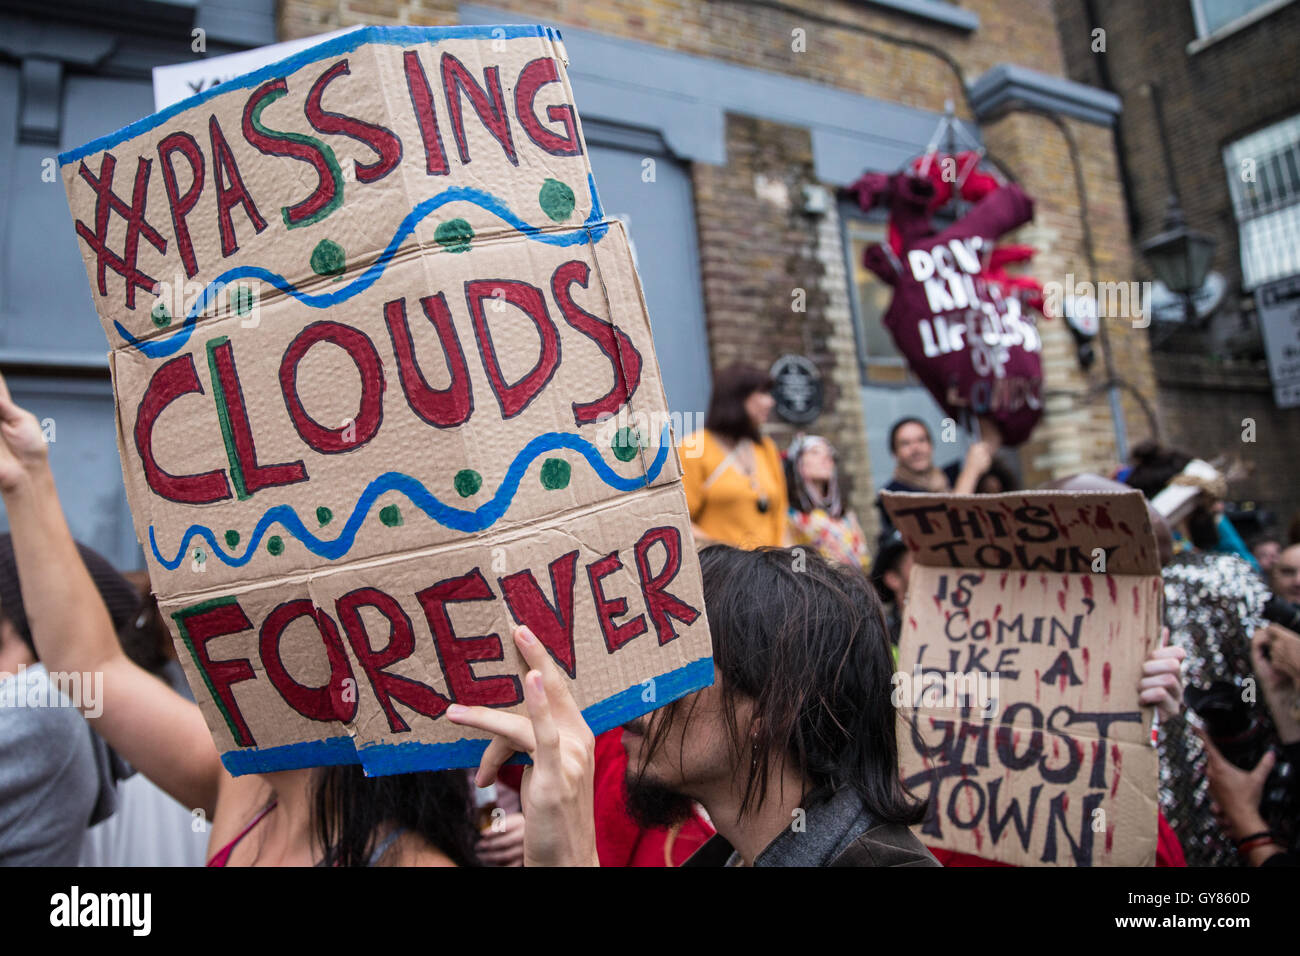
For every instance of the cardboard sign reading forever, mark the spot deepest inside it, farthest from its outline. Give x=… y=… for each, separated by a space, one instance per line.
x=368 y=331
x=1028 y=618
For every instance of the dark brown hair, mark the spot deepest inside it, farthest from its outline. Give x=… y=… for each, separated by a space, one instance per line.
x=893 y=431
x=806 y=643
x=731 y=386
x=349 y=808
x=1154 y=466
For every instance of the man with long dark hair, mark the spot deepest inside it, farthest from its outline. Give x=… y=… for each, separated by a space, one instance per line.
x=792 y=750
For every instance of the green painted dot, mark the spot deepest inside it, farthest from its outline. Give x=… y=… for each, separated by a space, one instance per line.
x=390 y=516
x=454 y=235
x=275 y=544
x=161 y=317
x=626 y=443
x=327 y=258
x=232 y=538
x=556 y=200
x=468 y=482
x=241 y=298
x=324 y=515
x=555 y=473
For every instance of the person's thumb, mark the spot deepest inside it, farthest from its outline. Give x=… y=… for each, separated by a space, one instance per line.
x=1264 y=767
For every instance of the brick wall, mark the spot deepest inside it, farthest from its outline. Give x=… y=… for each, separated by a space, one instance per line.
x=1226 y=408
x=1018 y=31
x=1209 y=98
x=1077 y=434
x=774 y=277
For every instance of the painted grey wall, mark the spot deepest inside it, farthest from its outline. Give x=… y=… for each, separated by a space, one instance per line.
x=95 y=78
x=660 y=219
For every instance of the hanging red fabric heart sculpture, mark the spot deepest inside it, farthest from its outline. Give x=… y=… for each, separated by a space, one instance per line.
x=962 y=332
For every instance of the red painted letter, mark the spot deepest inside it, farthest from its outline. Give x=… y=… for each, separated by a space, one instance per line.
x=616 y=635
x=456 y=654
x=383 y=141
x=328 y=194
x=352 y=434
x=199 y=624
x=661 y=605
x=551 y=623
x=229 y=196
x=614 y=342
x=440 y=407
x=417 y=84
x=181 y=205
x=456 y=80
x=399 y=646
x=172 y=380
x=249 y=477
x=533 y=77
x=315 y=703
x=513 y=399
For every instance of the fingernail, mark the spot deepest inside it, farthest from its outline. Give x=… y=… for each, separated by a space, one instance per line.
x=525 y=635
x=455 y=710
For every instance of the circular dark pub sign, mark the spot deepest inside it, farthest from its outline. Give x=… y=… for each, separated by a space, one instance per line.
x=797 y=389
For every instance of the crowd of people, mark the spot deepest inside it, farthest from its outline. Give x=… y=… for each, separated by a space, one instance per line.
x=799 y=718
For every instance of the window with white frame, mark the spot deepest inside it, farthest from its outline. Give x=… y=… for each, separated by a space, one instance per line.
x=1264 y=181
x=1211 y=16
x=879 y=360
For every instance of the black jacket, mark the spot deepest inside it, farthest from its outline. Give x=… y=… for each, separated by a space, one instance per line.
x=837 y=832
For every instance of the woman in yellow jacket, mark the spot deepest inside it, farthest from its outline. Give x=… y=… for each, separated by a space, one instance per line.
x=735 y=482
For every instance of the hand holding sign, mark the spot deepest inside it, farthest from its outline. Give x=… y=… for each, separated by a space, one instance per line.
x=1161 y=685
x=23 y=447
x=557 y=790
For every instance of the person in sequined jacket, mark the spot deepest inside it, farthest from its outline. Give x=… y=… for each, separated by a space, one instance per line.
x=1214 y=602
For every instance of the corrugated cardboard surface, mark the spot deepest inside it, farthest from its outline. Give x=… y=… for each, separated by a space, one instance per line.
x=392 y=492
x=1053 y=764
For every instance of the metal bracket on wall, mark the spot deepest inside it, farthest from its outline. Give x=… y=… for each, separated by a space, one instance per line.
x=40 y=96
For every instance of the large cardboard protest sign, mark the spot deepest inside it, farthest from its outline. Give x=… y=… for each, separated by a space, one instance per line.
x=386 y=387
x=1028 y=618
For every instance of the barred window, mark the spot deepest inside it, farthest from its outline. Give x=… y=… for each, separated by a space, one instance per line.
x=1264 y=182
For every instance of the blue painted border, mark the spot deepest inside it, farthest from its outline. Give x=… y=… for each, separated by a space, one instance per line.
x=457 y=519
x=383 y=759
x=590 y=232
x=330 y=48
x=331 y=752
